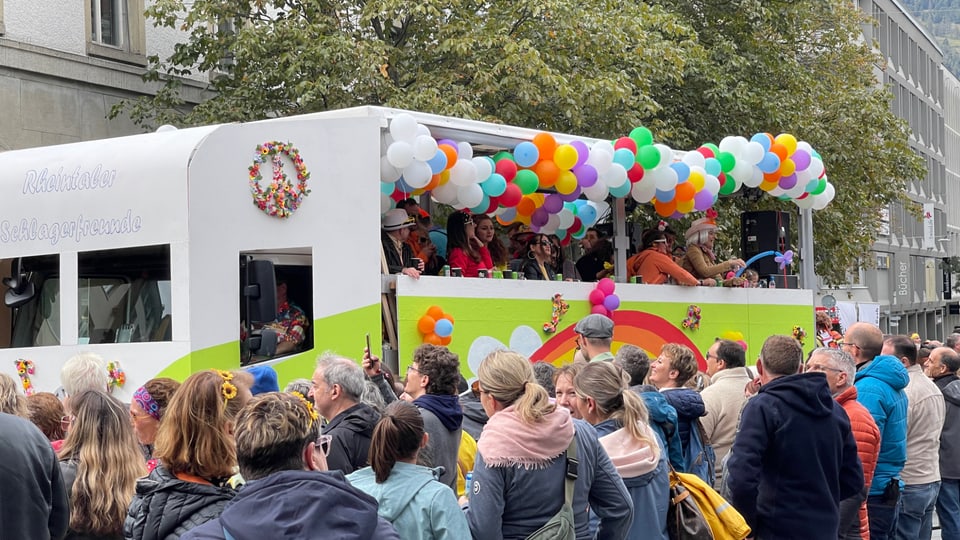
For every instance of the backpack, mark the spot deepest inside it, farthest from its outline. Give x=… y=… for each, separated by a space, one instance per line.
x=700 y=458
x=561 y=526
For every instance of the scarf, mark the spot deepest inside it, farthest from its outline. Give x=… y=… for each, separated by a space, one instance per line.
x=507 y=441
x=445 y=408
x=708 y=253
x=630 y=456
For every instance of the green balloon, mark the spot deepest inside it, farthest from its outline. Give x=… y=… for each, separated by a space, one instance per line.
x=527 y=181
x=727 y=161
x=648 y=156
x=503 y=155
x=728 y=185
x=641 y=136
x=821 y=185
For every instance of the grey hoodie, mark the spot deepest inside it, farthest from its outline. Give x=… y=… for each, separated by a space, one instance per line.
x=950 y=436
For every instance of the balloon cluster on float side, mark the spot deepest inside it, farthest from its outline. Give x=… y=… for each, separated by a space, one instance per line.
x=603 y=300
x=436 y=326
x=511 y=184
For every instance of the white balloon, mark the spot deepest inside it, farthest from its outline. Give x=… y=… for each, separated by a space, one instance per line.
x=424 y=147
x=742 y=171
x=465 y=151
x=565 y=218
x=388 y=173
x=643 y=191
x=829 y=192
x=776 y=192
x=403 y=127
x=602 y=146
x=615 y=176
x=695 y=159
x=386 y=203
x=602 y=209
x=805 y=146
x=796 y=191
x=400 y=154
x=727 y=144
x=664 y=178
x=417 y=174
x=755 y=179
x=166 y=127
x=666 y=155
x=446 y=193
x=484 y=169
x=553 y=223
x=816 y=167
x=753 y=153
x=805 y=203
x=820 y=202
x=600 y=159
x=596 y=192
x=464 y=173
x=470 y=195
x=712 y=184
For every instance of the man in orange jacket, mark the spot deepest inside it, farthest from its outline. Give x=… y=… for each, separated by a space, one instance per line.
x=840 y=370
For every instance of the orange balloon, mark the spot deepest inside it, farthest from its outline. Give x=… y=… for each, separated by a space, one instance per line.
x=448 y=317
x=546 y=144
x=432 y=339
x=780 y=150
x=425 y=324
x=526 y=207
x=434 y=183
x=451 y=153
x=446 y=340
x=772 y=177
x=503 y=222
x=547 y=172
x=685 y=192
x=665 y=209
x=436 y=312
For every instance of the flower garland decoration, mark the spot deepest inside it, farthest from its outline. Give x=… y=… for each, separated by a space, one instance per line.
x=799 y=334
x=306 y=403
x=693 y=317
x=115 y=374
x=282 y=197
x=559 y=310
x=227 y=389
x=25 y=369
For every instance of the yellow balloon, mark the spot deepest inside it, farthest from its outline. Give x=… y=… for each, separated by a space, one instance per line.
x=444 y=176
x=788 y=141
x=696 y=178
x=565 y=157
x=566 y=182
x=788 y=167
x=537 y=198
x=685 y=207
x=767 y=186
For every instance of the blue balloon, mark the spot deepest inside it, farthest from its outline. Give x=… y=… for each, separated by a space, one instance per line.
x=667 y=195
x=770 y=163
x=387 y=188
x=620 y=191
x=443 y=328
x=494 y=186
x=526 y=154
x=712 y=166
x=561 y=234
x=811 y=185
x=683 y=170
x=624 y=157
x=482 y=207
x=763 y=139
x=588 y=215
x=403 y=186
x=438 y=162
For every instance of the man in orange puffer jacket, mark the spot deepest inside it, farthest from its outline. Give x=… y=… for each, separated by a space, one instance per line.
x=840 y=369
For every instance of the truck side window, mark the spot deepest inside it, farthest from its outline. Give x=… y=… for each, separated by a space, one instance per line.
x=37 y=322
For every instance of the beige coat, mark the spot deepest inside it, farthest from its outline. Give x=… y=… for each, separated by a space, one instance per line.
x=724 y=399
x=925 y=412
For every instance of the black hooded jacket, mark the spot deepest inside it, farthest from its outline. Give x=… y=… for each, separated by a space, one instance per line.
x=350 y=433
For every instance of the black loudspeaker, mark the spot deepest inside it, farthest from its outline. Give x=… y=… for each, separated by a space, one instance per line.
x=761 y=232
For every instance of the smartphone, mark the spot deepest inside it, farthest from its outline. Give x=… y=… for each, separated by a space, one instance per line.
x=369 y=350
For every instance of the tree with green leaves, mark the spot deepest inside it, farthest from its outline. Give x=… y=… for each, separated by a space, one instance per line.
x=692 y=71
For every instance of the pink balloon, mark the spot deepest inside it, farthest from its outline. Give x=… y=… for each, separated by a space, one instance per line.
x=596 y=297
x=598 y=309
x=606 y=285
x=611 y=302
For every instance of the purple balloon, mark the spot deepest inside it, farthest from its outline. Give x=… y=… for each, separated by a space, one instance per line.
x=586 y=175
x=553 y=203
x=787 y=182
x=570 y=197
x=802 y=159
x=582 y=152
x=451 y=142
x=702 y=200
x=611 y=302
x=540 y=217
x=677 y=215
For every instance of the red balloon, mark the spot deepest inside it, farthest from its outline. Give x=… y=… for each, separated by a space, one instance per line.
x=566 y=240
x=707 y=152
x=626 y=142
x=494 y=203
x=507 y=169
x=577 y=225
x=398 y=195
x=597 y=296
x=511 y=197
x=635 y=174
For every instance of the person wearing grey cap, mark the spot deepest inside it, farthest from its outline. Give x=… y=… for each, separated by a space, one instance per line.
x=594 y=337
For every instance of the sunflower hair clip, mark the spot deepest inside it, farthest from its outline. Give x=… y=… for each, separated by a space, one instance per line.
x=227 y=389
x=306 y=403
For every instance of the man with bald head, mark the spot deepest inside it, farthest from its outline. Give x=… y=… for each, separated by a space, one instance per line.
x=942 y=367
x=880 y=382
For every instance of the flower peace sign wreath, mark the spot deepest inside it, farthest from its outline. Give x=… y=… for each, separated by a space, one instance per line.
x=281 y=197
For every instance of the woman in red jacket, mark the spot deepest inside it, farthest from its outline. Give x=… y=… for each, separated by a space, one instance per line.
x=464 y=250
x=655 y=265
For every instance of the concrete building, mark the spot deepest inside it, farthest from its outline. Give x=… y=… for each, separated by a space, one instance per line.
x=64 y=64
x=904 y=291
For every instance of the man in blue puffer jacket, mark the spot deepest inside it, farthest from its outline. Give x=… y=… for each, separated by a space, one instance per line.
x=880 y=382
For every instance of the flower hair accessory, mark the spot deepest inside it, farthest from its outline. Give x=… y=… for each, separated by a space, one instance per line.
x=799 y=334
x=25 y=369
x=662 y=225
x=693 y=317
x=712 y=214
x=306 y=403
x=115 y=374
x=227 y=389
x=559 y=310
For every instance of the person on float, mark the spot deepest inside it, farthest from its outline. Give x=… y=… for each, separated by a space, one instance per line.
x=700 y=260
x=656 y=266
x=539 y=260
x=464 y=250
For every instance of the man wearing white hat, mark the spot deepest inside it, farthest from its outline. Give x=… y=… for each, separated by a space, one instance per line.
x=396 y=227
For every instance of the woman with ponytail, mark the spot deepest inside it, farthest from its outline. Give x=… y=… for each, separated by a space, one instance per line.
x=620 y=418
x=519 y=474
x=410 y=495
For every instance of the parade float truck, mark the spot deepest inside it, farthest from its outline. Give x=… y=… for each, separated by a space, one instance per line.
x=158 y=251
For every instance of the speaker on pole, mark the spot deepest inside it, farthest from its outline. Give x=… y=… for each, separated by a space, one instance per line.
x=764 y=231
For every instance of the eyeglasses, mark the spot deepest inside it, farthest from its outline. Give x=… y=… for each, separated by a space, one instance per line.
x=660 y=241
x=822 y=368
x=65 y=422
x=323 y=444
x=545 y=244
x=134 y=416
x=715 y=357
x=411 y=368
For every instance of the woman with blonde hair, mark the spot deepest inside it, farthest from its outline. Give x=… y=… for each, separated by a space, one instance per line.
x=197 y=455
x=12 y=400
x=100 y=462
x=409 y=495
x=620 y=418
x=520 y=472
x=563 y=390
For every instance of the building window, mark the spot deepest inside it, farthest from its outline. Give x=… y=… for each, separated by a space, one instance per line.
x=2 y=31
x=117 y=30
